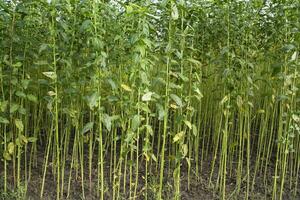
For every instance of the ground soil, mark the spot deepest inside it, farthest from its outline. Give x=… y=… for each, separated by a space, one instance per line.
x=200 y=188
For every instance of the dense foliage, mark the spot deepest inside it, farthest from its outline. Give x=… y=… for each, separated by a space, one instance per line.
x=106 y=92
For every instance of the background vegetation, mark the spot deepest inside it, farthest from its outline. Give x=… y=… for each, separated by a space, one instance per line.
x=146 y=99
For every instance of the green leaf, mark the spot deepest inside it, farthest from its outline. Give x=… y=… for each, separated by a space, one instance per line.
x=32 y=98
x=10 y=148
x=4 y=120
x=32 y=139
x=3 y=106
x=178 y=137
x=195 y=131
x=22 y=110
x=154 y=157
x=294 y=56
x=25 y=83
x=147 y=42
x=126 y=87
x=177 y=99
x=184 y=148
x=174 y=86
x=141 y=49
x=129 y=9
x=161 y=112
x=194 y=61
x=14 y=107
x=19 y=124
x=188 y=123
x=43 y=47
x=51 y=75
x=17 y=65
x=199 y=93
x=175 y=173
x=112 y=84
x=21 y=94
x=183 y=78
x=136 y=121
x=85 y=25
x=87 y=127
x=41 y=62
x=107 y=121
x=296 y=118
x=288 y=47
x=188 y=162
x=97 y=43
x=147 y=96
x=174 y=13
x=51 y=93
x=23 y=139
x=144 y=107
x=224 y=100
x=93 y=100
x=6 y=156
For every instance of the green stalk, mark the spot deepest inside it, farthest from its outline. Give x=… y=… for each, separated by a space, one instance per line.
x=165 y=126
x=100 y=152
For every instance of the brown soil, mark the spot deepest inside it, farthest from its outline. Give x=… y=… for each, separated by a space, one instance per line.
x=199 y=189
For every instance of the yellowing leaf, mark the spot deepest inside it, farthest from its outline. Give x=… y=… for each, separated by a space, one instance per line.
x=296 y=118
x=126 y=87
x=184 y=149
x=174 y=106
x=51 y=75
x=178 y=136
x=188 y=123
x=23 y=139
x=224 y=100
x=10 y=148
x=51 y=93
x=261 y=111
x=6 y=156
x=154 y=157
x=294 y=56
x=146 y=156
x=19 y=124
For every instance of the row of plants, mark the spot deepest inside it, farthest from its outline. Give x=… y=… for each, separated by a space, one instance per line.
x=104 y=91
